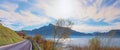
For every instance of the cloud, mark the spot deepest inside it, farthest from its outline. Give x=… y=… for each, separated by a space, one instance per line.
x=24 y=13
x=21 y=0
x=8 y=6
x=80 y=9
x=17 y=21
x=31 y=19
x=90 y=29
x=83 y=10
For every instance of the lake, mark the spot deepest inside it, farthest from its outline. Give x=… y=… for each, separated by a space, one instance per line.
x=85 y=41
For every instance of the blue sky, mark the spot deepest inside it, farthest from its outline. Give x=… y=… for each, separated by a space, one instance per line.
x=87 y=15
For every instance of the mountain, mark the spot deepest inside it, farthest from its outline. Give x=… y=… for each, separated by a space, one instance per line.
x=8 y=36
x=43 y=30
x=48 y=30
x=112 y=33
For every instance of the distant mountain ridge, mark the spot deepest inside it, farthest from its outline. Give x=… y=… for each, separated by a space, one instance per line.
x=48 y=30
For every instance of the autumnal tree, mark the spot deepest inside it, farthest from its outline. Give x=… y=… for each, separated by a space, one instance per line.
x=37 y=38
x=29 y=38
x=48 y=45
x=94 y=44
x=22 y=34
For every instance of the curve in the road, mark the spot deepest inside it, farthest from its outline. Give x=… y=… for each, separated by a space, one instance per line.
x=26 y=45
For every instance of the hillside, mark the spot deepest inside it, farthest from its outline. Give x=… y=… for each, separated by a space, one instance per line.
x=8 y=36
x=48 y=30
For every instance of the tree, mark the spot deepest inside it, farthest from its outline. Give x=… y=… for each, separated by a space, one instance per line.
x=94 y=44
x=29 y=38
x=37 y=38
x=62 y=30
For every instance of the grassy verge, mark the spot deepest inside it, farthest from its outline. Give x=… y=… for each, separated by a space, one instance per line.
x=8 y=36
x=34 y=46
x=47 y=45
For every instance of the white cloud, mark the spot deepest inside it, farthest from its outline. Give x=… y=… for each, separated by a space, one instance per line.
x=31 y=19
x=22 y=0
x=9 y=6
x=88 y=29
x=25 y=18
x=57 y=8
x=80 y=10
x=75 y=9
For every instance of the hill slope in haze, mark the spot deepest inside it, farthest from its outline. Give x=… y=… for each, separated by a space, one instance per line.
x=8 y=36
x=48 y=30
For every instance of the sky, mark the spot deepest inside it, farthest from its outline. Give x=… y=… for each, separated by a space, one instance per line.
x=87 y=15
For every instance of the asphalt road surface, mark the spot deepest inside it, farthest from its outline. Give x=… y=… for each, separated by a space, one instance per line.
x=25 y=45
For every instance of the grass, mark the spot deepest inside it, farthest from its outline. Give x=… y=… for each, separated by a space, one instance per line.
x=34 y=46
x=8 y=36
x=46 y=45
x=43 y=43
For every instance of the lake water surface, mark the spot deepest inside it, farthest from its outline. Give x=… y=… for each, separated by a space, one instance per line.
x=85 y=41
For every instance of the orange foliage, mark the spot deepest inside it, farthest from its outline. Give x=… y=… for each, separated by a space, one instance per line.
x=37 y=38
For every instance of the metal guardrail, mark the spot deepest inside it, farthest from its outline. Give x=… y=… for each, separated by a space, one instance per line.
x=37 y=45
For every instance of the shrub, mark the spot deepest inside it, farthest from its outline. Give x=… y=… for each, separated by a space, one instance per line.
x=94 y=44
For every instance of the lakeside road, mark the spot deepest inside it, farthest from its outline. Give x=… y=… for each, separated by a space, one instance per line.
x=25 y=45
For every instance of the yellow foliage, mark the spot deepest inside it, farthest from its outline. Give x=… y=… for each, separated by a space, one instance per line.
x=94 y=44
x=37 y=38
